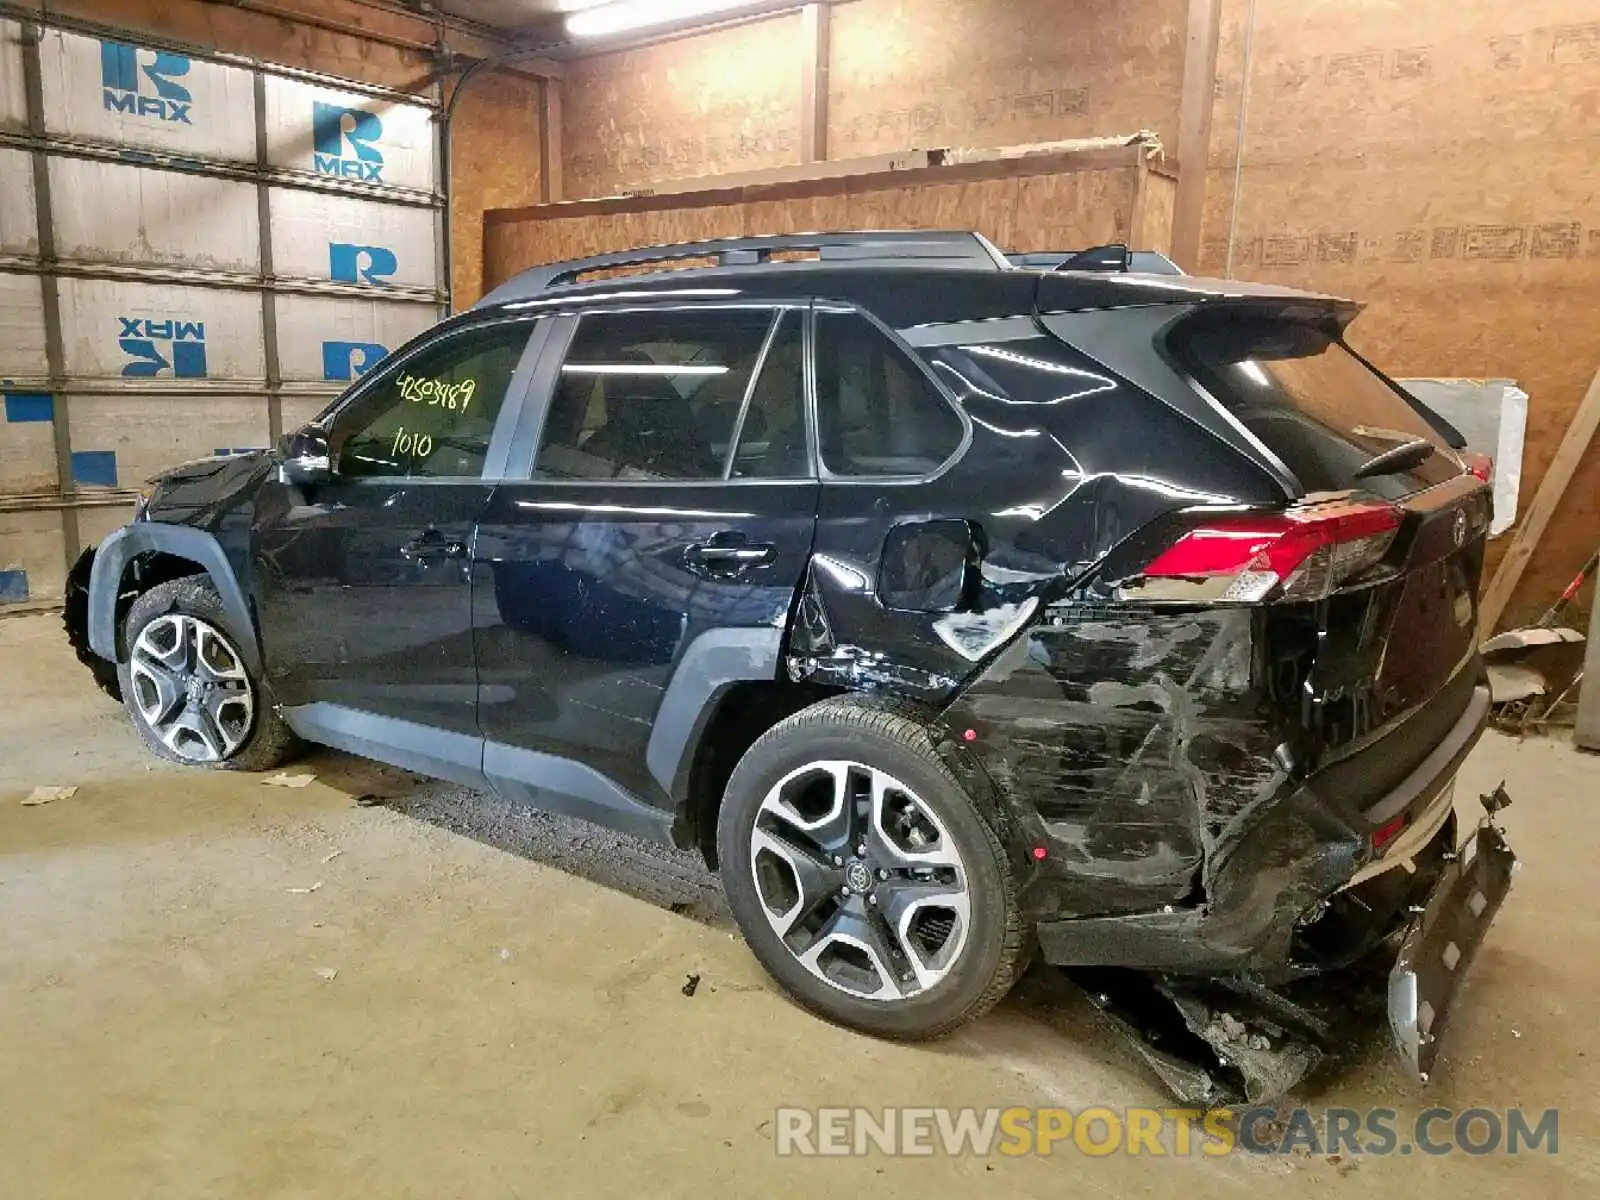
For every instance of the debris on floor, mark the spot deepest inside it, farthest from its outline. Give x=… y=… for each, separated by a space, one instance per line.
x=45 y=794
x=330 y=856
x=690 y=983
x=305 y=891
x=328 y=974
x=284 y=779
x=1210 y=1045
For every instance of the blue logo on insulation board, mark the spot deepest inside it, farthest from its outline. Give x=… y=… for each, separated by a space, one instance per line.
x=343 y=361
x=361 y=264
x=146 y=88
x=344 y=142
x=173 y=345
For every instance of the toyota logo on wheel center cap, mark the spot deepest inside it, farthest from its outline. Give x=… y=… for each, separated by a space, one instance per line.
x=857 y=878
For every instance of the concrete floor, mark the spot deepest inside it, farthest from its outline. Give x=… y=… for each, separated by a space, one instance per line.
x=508 y=1018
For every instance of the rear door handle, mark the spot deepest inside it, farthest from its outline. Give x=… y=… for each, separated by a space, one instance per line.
x=431 y=545
x=731 y=552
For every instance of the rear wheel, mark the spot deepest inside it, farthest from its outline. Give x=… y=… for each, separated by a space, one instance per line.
x=186 y=685
x=864 y=878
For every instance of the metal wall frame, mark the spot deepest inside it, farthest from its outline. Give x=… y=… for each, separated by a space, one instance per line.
x=50 y=267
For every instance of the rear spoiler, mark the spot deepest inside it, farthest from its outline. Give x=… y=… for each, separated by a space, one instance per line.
x=1113 y=257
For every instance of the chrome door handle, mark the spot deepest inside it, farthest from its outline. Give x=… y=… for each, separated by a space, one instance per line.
x=430 y=546
x=744 y=555
x=730 y=552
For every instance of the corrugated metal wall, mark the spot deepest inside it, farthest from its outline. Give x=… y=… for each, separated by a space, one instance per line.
x=196 y=253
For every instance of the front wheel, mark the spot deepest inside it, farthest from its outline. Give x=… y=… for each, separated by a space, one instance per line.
x=186 y=686
x=864 y=878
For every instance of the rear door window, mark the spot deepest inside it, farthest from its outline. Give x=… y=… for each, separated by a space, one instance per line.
x=878 y=413
x=681 y=395
x=1321 y=410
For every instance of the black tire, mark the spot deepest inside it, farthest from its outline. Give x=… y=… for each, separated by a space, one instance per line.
x=264 y=741
x=997 y=939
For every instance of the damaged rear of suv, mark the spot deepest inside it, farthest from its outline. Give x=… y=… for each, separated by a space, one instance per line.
x=955 y=608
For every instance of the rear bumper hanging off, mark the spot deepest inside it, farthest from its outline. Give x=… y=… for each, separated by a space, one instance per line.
x=1441 y=942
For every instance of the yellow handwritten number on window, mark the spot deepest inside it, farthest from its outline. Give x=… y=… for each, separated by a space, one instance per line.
x=437 y=393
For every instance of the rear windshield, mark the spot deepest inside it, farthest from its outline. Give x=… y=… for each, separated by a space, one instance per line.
x=1311 y=402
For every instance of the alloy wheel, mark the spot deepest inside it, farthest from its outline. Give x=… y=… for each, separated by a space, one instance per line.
x=860 y=880
x=191 y=688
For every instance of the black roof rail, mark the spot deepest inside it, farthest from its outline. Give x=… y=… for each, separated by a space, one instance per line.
x=929 y=247
x=1113 y=257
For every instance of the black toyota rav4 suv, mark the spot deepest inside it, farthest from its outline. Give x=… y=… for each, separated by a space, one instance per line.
x=955 y=609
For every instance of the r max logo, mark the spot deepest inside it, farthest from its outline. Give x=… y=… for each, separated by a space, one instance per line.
x=344 y=141
x=142 y=82
x=171 y=345
x=344 y=361
x=361 y=264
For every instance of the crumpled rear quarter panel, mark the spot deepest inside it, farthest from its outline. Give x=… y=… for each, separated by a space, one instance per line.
x=1139 y=738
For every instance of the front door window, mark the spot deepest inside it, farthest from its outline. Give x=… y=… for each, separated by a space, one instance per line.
x=431 y=415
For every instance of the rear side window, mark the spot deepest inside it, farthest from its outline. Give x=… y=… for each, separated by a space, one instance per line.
x=1310 y=401
x=877 y=413
x=675 y=395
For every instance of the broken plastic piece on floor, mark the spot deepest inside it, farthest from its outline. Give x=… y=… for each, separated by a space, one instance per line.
x=328 y=974
x=331 y=855
x=284 y=779
x=44 y=794
x=1532 y=635
x=1509 y=682
x=305 y=891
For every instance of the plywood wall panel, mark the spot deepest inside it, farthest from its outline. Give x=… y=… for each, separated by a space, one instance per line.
x=1152 y=224
x=1437 y=160
x=495 y=164
x=988 y=206
x=903 y=74
x=927 y=73
x=724 y=101
x=1085 y=208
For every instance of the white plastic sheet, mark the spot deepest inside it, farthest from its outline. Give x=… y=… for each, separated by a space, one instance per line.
x=1492 y=414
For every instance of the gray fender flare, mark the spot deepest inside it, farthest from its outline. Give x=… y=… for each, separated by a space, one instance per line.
x=111 y=561
x=713 y=660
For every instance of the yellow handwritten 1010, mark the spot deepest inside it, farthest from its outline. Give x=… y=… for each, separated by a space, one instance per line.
x=436 y=393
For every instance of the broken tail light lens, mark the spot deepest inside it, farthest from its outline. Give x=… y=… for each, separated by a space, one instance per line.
x=1388 y=831
x=1302 y=553
x=1480 y=465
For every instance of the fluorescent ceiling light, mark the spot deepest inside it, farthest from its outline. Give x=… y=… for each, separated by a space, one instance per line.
x=623 y=16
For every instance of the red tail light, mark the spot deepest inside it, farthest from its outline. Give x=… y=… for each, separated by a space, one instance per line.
x=1387 y=832
x=1300 y=554
x=1480 y=465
